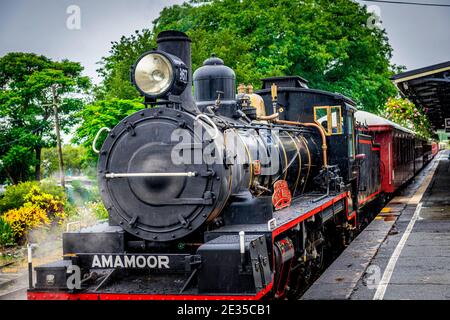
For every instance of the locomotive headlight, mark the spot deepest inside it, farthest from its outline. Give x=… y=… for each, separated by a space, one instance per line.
x=157 y=74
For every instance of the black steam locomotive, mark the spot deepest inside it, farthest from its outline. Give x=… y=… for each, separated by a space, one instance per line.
x=220 y=195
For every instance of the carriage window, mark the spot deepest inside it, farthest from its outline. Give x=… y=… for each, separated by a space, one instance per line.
x=329 y=118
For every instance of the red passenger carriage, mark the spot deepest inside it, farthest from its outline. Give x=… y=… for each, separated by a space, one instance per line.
x=402 y=153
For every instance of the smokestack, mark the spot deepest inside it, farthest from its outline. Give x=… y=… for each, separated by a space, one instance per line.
x=179 y=44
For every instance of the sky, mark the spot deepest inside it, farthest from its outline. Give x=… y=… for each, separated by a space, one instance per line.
x=419 y=35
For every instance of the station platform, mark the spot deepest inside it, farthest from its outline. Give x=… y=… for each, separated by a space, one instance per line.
x=404 y=253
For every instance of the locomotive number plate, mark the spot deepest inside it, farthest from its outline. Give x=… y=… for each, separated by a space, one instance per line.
x=174 y=262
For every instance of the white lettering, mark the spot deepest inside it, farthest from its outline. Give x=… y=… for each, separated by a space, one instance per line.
x=130 y=262
x=118 y=262
x=107 y=262
x=140 y=262
x=96 y=262
x=152 y=262
x=188 y=310
x=163 y=261
x=74 y=280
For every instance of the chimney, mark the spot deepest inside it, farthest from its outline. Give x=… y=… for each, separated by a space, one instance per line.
x=179 y=44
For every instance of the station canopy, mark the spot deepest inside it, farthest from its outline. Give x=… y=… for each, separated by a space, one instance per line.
x=428 y=88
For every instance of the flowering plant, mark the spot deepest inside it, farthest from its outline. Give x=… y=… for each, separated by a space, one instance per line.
x=408 y=115
x=39 y=209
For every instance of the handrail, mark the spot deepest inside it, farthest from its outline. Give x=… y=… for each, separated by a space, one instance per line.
x=208 y=120
x=94 y=143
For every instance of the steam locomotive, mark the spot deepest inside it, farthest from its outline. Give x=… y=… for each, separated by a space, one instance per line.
x=223 y=195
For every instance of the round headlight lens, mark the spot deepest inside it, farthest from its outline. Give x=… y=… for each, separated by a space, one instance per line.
x=154 y=74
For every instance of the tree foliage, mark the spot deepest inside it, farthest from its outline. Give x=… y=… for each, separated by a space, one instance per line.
x=26 y=97
x=74 y=158
x=328 y=42
x=115 y=68
x=103 y=113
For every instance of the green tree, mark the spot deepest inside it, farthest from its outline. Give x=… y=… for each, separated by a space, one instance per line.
x=74 y=160
x=17 y=154
x=26 y=97
x=328 y=42
x=104 y=113
x=115 y=68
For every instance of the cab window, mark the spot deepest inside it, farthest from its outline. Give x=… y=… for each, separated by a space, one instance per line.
x=336 y=120
x=350 y=133
x=329 y=118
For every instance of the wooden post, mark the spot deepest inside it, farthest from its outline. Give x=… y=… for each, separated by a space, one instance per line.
x=58 y=138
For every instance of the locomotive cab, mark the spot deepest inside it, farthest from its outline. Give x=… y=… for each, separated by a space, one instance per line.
x=334 y=113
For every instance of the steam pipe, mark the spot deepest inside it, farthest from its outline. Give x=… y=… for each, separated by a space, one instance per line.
x=322 y=134
x=269 y=118
x=274 y=118
x=324 y=148
x=30 y=247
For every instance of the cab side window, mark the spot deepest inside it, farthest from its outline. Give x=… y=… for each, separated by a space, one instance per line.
x=336 y=120
x=329 y=118
x=321 y=117
x=351 y=135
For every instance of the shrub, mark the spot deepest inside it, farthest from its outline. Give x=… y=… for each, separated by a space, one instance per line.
x=25 y=218
x=80 y=190
x=40 y=208
x=77 y=186
x=79 y=193
x=70 y=210
x=6 y=233
x=98 y=209
x=52 y=205
x=14 y=196
x=50 y=186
